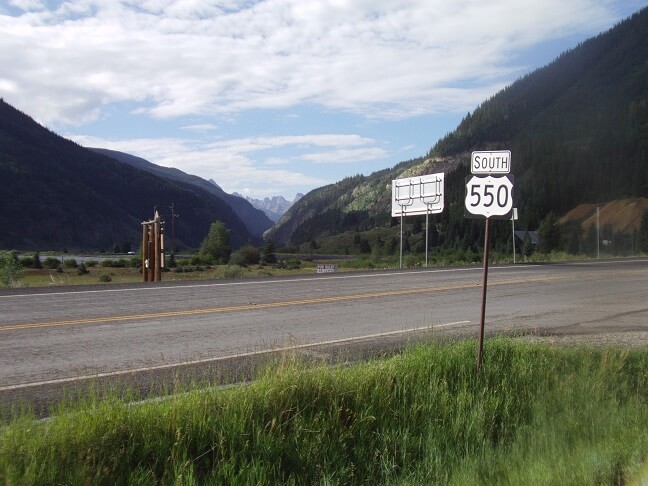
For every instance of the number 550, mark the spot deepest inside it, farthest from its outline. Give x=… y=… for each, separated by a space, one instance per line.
x=491 y=194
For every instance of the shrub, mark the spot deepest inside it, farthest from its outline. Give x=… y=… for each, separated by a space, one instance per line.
x=105 y=277
x=36 y=263
x=91 y=263
x=52 y=263
x=120 y=263
x=411 y=261
x=293 y=264
x=27 y=262
x=200 y=260
x=82 y=270
x=247 y=255
x=10 y=268
x=70 y=263
x=232 y=271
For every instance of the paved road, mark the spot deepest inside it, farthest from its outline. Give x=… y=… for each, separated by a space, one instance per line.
x=49 y=336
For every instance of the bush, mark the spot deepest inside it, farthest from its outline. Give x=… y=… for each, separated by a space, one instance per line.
x=10 y=268
x=91 y=263
x=247 y=255
x=82 y=270
x=36 y=263
x=232 y=271
x=199 y=260
x=71 y=263
x=104 y=277
x=411 y=261
x=120 y=263
x=52 y=263
x=293 y=264
x=27 y=262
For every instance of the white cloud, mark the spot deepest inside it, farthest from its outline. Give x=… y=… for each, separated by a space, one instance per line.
x=230 y=162
x=206 y=62
x=201 y=127
x=345 y=156
x=380 y=58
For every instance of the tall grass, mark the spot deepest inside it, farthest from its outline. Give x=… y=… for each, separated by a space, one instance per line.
x=536 y=415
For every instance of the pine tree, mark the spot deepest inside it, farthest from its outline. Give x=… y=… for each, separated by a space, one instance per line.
x=268 y=256
x=549 y=234
x=527 y=245
x=216 y=245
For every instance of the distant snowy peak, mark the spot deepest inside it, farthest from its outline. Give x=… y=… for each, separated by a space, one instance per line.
x=274 y=207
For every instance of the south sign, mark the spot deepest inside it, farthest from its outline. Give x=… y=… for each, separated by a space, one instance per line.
x=497 y=162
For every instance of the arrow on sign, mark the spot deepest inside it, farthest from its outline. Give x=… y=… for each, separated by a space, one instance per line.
x=489 y=197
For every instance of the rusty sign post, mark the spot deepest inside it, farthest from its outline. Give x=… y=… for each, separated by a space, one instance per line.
x=152 y=249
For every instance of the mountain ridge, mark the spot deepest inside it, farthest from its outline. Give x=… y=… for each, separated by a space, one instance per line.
x=255 y=220
x=577 y=129
x=58 y=194
x=274 y=207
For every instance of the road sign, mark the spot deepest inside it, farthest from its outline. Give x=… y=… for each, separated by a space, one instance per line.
x=497 y=162
x=418 y=195
x=489 y=197
x=327 y=268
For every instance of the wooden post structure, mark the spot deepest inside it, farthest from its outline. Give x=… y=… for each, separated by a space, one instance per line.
x=152 y=249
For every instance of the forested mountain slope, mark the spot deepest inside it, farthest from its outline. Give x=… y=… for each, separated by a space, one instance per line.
x=56 y=194
x=254 y=219
x=577 y=129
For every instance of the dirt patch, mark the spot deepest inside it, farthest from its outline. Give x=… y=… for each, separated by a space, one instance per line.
x=622 y=216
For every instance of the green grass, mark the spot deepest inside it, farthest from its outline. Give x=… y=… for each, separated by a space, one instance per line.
x=536 y=415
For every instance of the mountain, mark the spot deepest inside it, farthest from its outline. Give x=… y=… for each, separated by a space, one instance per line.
x=57 y=194
x=254 y=219
x=274 y=207
x=577 y=130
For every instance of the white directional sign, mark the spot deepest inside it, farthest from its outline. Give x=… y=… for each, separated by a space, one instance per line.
x=418 y=195
x=497 y=162
x=489 y=197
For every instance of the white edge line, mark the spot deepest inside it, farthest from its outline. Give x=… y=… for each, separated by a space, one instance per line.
x=222 y=358
x=310 y=279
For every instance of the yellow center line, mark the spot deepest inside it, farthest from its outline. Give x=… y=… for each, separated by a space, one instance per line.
x=260 y=306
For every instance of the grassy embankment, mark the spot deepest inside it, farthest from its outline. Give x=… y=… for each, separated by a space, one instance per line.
x=536 y=415
x=96 y=274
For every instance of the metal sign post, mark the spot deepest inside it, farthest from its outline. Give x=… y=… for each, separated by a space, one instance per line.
x=414 y=196
x=489 y=195
x=514 y=216
x=480 y=353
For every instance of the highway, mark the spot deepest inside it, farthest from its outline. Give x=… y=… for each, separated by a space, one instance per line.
x=50 y=337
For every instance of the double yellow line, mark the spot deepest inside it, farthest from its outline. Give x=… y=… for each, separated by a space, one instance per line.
x=255 y=306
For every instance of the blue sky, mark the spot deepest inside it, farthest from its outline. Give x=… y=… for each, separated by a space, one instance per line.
x=277 y=97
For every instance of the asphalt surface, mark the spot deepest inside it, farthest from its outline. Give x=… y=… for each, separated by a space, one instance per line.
x=152 y=338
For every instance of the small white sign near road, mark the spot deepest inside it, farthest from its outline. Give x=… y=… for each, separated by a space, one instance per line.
x=488 y=196
x=497 y=162
x=327 y=268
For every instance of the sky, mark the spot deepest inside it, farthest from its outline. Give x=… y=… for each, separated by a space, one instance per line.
x=277 y=97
